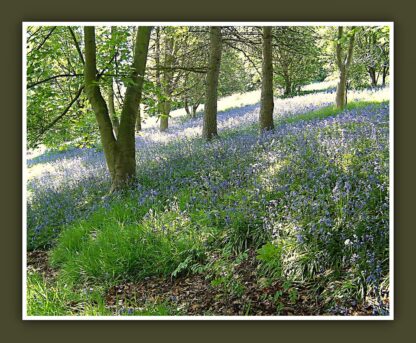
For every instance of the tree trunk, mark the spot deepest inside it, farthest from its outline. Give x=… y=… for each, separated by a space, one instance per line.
x=288 y=88
x=120 y=153
x=125 y=167
x=112 y=109
x=209 y=129
x=343 y=63
x=194 y=109
x=97 y=101
x=188 y=112
x=385 y=69
x=372 y=73
x=267 y=104
x=166 y=84
x=341 y=96
x=164 y=117
x=138 y=120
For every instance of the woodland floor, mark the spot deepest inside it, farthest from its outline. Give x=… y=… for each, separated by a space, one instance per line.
x=194 y=295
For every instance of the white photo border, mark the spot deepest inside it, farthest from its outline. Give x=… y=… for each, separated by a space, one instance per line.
x=25 y=25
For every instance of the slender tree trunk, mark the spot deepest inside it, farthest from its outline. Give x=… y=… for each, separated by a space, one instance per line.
x=385 y=69
x=194 y=109
x=112 y=110
x=344 y=63
x=372 y=73
x=288 y=88
x=166 y=84
x=267 y=104
x=341 y=96
x=209 y=129
x=97 y=101
x=125 y=167
x=138 y=120
x=188 y=112
x=164 y=117
x=120 y=153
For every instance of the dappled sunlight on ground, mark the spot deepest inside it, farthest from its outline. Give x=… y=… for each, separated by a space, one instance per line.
x=243 y=111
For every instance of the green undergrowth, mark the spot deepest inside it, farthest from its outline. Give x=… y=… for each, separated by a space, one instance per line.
x=202 y=217
x=114 y=246
x=46 y=297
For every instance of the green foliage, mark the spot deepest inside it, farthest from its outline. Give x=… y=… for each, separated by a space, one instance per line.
x=371 y=57
x=222 y=271
x=270 y=257
x=235 y=76
x=296 y=58
x=48 y=96
x=111 y=247
x=49 y=298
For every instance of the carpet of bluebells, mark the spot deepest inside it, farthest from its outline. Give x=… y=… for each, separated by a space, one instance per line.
x=312 y=198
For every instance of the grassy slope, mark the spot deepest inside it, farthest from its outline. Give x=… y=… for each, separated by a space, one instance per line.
x=132 y=238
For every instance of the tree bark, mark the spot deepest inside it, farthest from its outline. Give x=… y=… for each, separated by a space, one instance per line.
x=341 y=97
x=385 y=70
x=120 y=154
x=138 y=120
x=164 y=117
x=267 y=104
x=194 y=109
x=112 y=110
x=125 y=167
x=372 y=73
x=209 y=128
x=343 y=63
x=188 y=112
x=97 y=101
x=288 y=88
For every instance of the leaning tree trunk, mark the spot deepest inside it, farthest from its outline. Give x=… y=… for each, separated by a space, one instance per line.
x=344 y=63
x=194 y=109
x=209 y=128
x=97 y=101
x=267 y=105
x=125 y=164
x=120 y=154
x=112 y=110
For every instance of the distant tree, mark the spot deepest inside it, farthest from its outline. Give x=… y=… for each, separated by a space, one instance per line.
x=234 y=74
x=371 y=56
x=209 y=129
x=296 y=57
x=194 y=94
x=267 y=105
x=176 y=72
x=119 y=153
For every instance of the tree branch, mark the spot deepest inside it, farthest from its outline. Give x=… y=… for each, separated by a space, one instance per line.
x=44 y=40
x=81 y=56
x=58 y=118
x=52 y=78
